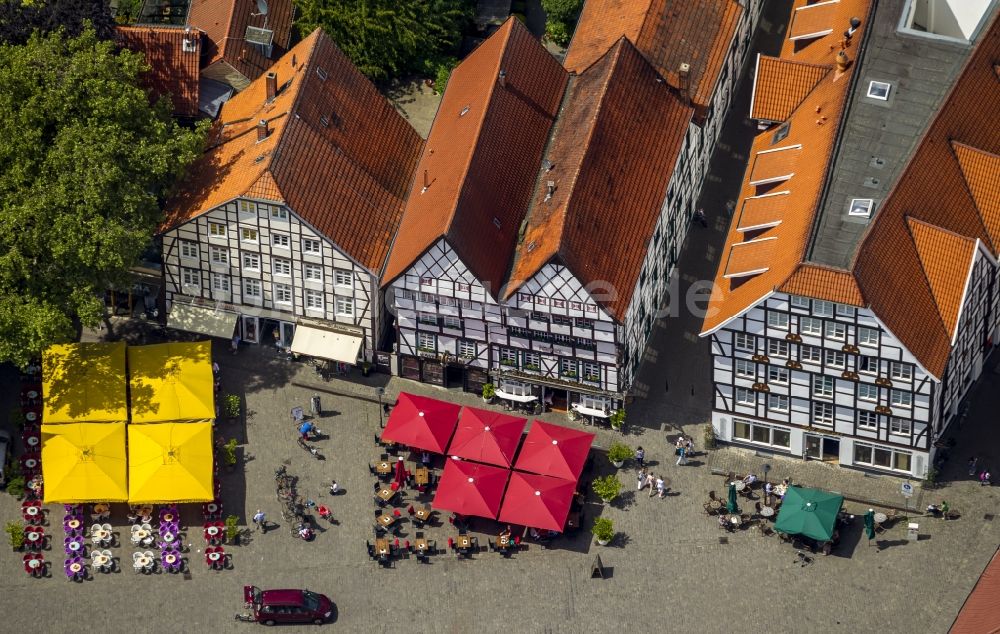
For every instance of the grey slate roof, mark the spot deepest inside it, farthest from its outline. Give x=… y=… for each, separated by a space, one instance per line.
x=878 y=137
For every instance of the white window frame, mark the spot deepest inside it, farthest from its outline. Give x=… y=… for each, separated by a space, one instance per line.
x=868 y=337
x=281 y=267
x=312 y=272
x=822 y=308
x=879 y=90
x=278 y=213
x=533 y=359
x=568 y=367
x=466 y=348
x=190 y=277
x=345 y=279
x=835 y=330
x=811 y=354
x=777 y=348
x=189 y=249
x=823 y=386
x=811 y=326
x=834 y=359
x=868 y=392
x=216 y=230
x=312 y=246
x=823 y=413
x=797 y=301
x=589 y=370
x=220 y=282
x=751 y=426
x=427 y=341
x=901 y=398
x=283 y=294
x=867 y=419
x=776 y=319
x=871 y=460
x=900 y=426
x=252 y=288
x=247 y=207
x=249 y=235
x=777 y=402
x=744 y=341
x=874 y=360
x=844 y=310
x=281 y=240
x=218 y=255
x=900 y=371
x=745 y=396
x=251 y=261
x=313 y=299
x=777 y=375
x=450 y=321
x=744 y=368
x=345 y=306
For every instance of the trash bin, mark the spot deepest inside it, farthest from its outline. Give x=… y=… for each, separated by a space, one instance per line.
x=314 y=405
x=912 y=531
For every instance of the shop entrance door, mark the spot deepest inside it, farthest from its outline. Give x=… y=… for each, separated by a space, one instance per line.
x=250 y=329
x=814 y=447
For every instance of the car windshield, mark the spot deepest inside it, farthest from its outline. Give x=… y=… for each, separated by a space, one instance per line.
x=311 y=600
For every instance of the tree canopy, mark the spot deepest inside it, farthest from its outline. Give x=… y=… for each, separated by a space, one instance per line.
x=389 y=38
x=85 y=159
x=20 y=18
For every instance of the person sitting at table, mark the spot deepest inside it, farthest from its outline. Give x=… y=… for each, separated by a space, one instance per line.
x=505 y=533
x=133 y=517
x=723 y=521
x=425 y=459
x=785 y=483
x=749 y=479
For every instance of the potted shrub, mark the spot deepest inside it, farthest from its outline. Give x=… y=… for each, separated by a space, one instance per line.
x=366 y=368
x=15 y=486
x=489 y=392
x=229 y=454
x=232 y=529
x=617 y=419
x=608 y=487
x=17 y=419
x=231 y=406
x=604 y=530
x=15 y=534
x=618 y=453
x=709 y=436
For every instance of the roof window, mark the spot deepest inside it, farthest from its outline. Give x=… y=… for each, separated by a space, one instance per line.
x=322 y=73
x=944 y=19
x=879 y=90
x=781 y=133
x=861 y=207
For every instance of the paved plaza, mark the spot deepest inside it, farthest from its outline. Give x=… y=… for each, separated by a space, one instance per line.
x=668 y=569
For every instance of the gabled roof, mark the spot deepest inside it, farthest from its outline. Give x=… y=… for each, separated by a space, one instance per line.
x=981 y=171
x=225 y=23
x=667 y=32
x=946 y=259
x=933 y=189
x=173 y=57
x=799 y=167
x=610 y=159
x=824 y=282
x=475 y=177
x=338 y=154
x=780 y=85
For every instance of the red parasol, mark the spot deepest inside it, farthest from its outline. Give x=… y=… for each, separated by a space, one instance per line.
x=490 y=437
x=469 y=488
x=421 y=422
x=554 y=450
x=400 y=476
x=537 y=500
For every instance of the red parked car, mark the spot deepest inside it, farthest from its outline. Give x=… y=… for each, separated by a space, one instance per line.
x=286 y=606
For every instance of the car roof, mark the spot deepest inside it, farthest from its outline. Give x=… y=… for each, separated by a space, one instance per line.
x=275 y=597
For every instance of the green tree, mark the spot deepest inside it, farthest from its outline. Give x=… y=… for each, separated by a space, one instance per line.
x=561 y=10
x=20 y=18
x=85 y=159
x=389 y=38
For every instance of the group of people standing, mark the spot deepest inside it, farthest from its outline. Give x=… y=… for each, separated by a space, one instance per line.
x=984 y=475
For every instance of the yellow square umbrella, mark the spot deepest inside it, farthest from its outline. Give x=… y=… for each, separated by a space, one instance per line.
x=170 y=462
x=84 y=383
x=171 y=382
x=84 y=462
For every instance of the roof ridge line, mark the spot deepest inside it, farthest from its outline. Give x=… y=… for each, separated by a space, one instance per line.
x=931 y=225
x=303 y=72
x=968 y=187
x=923 y=270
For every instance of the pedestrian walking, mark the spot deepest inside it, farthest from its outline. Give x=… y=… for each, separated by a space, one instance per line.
x=984 y=478
x=334 y=488
x=972 y=466
x=640 y=456
x=699 y=215
x=660 y=487
x=258 y=520
x=236 y=343
x=652 y=489
x=641 y=479
x=689 y=446
x=682 y=456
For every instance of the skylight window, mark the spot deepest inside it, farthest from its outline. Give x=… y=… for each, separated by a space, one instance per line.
x=879 y=90
x=781 y=133
x=861 y=207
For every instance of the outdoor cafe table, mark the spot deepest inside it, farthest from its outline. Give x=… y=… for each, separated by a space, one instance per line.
x=101 y=560
x=34 y=536
x=740 y=484
x=422 y=475
x=420 y=545
x=100 y=536
x=734 y=520
x=880 y=517
x=383 y=467
x=422 y=514
x=780 y=490
x=715 y=504
x=31 y=512
x=766 y=511
x=31 y=439
x=382 y=547
x=504 y=542
x=73 y=523
x=215 y=556
x=463 y=542
x=31 y=416
x=386 y=520
x=385 y=494
x=144 y=561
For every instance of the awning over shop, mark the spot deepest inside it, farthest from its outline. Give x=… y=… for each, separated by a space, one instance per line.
x=84 y=383
x=170 y=462
x=171 y=382
x=206 y=321
x=517 y=398
x=84 y=462
x=326 y=344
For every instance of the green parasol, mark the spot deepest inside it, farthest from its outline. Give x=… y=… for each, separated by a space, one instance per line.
x=731 y=503
x=870 y=524
x=809 y=512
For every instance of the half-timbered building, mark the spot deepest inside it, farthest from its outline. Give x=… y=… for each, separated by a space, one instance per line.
x=283 y=229
x=848 y=321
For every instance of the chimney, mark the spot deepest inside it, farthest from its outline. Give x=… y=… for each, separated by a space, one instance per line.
x=842 y=62
x=684 y=79
x=262 y=130
x=502 y=78
x=855 y=23
x=271 y=81
x=427 y=182
x=550 y=188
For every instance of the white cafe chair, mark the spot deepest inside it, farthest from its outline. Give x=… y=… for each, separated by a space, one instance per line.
x=136 y=566
x=95 y=528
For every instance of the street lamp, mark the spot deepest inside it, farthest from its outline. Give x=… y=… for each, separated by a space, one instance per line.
x=380 y=391
x=765 y=468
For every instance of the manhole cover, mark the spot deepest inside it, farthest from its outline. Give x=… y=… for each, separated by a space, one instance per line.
x=723 y=540
x=988 y=517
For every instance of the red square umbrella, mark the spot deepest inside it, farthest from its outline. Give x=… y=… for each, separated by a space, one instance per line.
x=489 y=437
x=421 y=422
x=537 y=500
x=470 y=488
x=554 y=450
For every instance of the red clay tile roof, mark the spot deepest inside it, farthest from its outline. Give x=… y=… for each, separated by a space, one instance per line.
x=814 y=20
x=612 y=153
x=762 y=212
x=816 y=133
x=339 y=155
x=667 y=33
x=934 y=189
x=482 y=155
x=775 y=164
x=225 y=23
x=981 y=610
x=946 y=259
x=173 y=71
x=752 y=257
x=981 y=171
x=823 y=282
x=780 y=85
